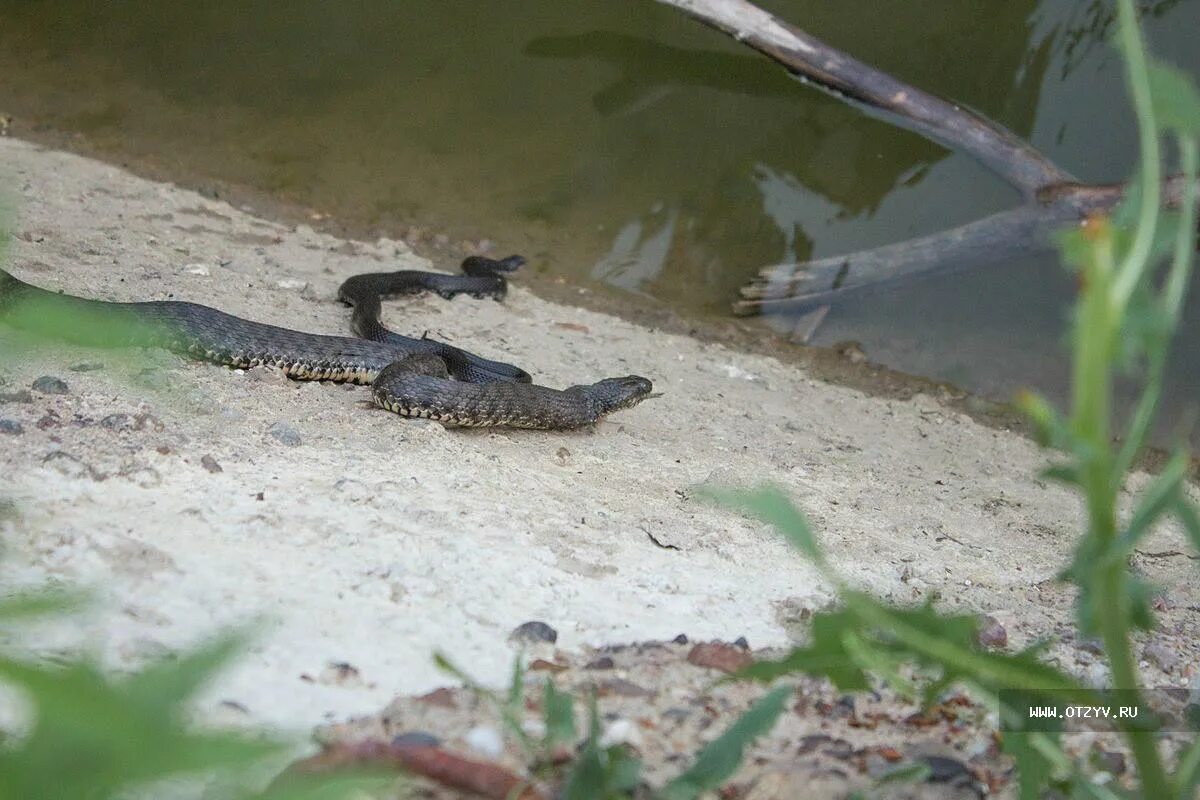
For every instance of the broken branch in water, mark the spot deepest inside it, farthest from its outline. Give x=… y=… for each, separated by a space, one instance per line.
x=1053 y=198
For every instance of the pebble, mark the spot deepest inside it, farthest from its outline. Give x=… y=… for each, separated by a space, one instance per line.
x=117 y=422
x=48 y=384
x=534 y=631
x=210 y=464
x=1161 y=656
x=11 y=426
x=721 y=656
x=992 y=633
x=285 y=434
x=562 y=456
x=943 y=769
x=197 y=269
x=292 y=284
x=485 y=740
x=620 y=731
x=87 y=366
x=22 y=396
x=416 y=739
x=341 y=673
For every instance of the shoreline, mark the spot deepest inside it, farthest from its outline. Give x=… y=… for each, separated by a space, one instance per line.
x=371 y=540
x=840 y=363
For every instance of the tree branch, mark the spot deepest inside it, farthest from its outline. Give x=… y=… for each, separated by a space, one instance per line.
x=949 y=124
x=1053 y=198
x=1004 y=236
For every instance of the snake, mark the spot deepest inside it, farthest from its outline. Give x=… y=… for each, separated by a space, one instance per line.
x=413 y=377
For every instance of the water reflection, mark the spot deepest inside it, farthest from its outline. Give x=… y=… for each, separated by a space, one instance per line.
x=612 y=142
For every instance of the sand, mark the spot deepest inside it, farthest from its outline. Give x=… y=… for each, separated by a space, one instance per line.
x=376 y=540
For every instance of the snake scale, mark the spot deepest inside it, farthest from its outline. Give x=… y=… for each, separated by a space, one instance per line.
x=411 y=377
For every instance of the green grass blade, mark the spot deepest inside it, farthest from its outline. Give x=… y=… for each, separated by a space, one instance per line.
x=718 y=761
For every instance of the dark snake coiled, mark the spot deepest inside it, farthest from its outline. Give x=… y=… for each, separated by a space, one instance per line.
x=411 y=377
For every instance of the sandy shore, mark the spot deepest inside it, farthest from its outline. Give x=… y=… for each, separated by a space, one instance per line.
x=375 y=540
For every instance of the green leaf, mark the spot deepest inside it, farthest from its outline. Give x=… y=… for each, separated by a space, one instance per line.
x=719 y=760
x=558 y=714
x=97 y=737
x=770 y=505
x=1186 y=513
x=1159 y=497
x=20 y=607
x=1034 y=769
x=516 y=687
x=1047 y=424
x=1187 y=776
x=825 y=655
x=601 y=773
x=352 y=785
x=1062 y=473
x=165 y=683
x=913 y=772
x=1174 y=98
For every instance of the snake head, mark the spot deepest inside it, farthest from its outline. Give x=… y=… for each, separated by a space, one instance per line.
x=614 y=394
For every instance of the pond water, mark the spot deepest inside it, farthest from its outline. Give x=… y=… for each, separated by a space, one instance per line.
x=619 y=143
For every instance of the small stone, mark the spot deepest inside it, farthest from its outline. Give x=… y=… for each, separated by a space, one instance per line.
x=944 y=770
x=485 y=740
x=603 y=662
x=87 y=366
x=285 y=434
x=619 y=687
x=1111 y=762
x=22 y=396
x=341 y=674
x=534 y=631
x=851 y=351
x=680 y=639
x=11 y=426
x=741 y=642
x=210 y=464
x=416 y=739
x=118 y=423
x=1161 y=655
x=992 y=633
x=562 y=456
x=676 y=714
x=292 y=284
x=721 y=656
x=621 y=732
x=442 y=698
x=542 y=665
x=143 y=421
x=197 y=269
x=48 y=384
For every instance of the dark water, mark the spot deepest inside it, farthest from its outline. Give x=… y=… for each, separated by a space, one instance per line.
x=615 y=141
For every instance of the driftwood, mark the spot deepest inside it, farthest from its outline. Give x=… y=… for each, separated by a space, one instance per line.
x=1053 y=198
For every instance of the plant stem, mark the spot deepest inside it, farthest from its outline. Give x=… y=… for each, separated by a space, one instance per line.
x=1097 y=327
x=1130 y=36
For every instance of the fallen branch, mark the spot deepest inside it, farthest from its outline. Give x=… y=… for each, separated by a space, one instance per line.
x=1053 y=198
x=1023 y=231
x=478 y=778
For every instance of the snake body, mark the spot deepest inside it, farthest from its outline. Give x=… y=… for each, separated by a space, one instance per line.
x=411 y=377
